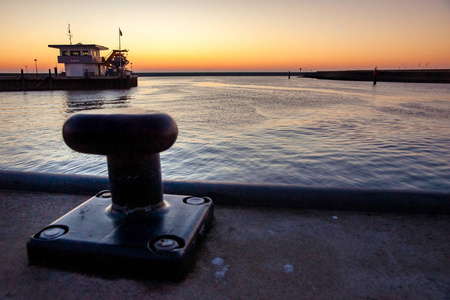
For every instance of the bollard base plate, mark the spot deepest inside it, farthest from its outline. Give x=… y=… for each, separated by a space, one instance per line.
x=94 y=238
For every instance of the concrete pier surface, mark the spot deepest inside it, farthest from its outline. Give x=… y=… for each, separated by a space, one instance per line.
x=250 y=253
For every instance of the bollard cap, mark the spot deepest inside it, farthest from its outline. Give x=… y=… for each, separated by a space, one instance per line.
x=120 y=131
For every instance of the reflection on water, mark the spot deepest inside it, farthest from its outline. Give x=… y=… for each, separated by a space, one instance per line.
x=85 y=100
x=322 y=89
x=256 y=129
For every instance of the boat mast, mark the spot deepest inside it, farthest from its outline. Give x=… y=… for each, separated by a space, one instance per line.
x=120 y=53
x=69 y=34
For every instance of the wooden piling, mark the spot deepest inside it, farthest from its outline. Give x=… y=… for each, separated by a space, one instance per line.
x=22 y=80
x=50 y=79
x=375 y=75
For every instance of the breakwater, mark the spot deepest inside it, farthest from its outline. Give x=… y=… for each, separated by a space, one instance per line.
x=45 y=83
x=196 y=74
x=423 y=76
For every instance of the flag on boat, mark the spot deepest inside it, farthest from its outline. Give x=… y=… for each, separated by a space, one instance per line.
x=120 y=32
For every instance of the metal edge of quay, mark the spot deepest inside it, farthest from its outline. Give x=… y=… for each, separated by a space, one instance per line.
x=248 y=194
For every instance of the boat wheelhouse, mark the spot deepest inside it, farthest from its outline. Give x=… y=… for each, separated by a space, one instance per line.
x=80 y=59
x=85 y=60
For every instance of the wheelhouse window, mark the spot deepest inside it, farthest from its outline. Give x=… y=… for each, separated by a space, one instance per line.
x=74 y=53
x=65 y=53
x=85 y=52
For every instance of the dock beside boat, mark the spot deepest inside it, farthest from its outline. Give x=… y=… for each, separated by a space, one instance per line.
x=52 y=82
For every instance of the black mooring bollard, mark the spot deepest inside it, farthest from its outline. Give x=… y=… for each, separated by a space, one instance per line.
x=143 y=232
x=131 y=139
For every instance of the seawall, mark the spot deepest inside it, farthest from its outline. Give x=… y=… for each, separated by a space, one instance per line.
x=181 y=74
x=44 y=83
x=424 y=76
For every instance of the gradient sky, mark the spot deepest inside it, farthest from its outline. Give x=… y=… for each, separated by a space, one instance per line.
x=233 y=35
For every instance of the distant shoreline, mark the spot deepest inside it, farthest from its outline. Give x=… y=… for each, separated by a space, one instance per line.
x=408 y=75
x=418 y=76
x=174 y=74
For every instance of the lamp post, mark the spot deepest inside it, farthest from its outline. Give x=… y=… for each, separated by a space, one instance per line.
x=35 y=63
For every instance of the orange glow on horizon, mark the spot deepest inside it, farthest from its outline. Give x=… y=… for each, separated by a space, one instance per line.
x=244 y=60
x=230 y=36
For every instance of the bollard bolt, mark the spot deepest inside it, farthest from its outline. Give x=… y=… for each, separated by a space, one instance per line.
x=165 y=245
x=52 y=233
x=195 y=201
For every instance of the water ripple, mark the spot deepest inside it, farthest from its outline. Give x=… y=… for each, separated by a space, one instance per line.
x=256 y=129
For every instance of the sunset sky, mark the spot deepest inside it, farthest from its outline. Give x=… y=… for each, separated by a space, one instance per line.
x=233 y=35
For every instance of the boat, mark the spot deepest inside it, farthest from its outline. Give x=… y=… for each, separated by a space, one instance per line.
x=85 y=60
x=84 y=68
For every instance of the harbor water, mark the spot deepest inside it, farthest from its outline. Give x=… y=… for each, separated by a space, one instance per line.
x=255 y=129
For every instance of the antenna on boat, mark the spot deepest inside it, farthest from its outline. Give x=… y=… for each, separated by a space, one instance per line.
x=69 y=34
